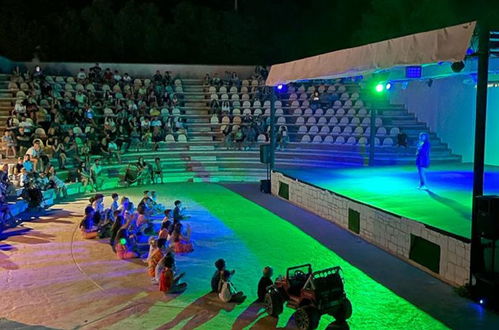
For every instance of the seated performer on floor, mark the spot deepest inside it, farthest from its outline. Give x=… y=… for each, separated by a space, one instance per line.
x=97 y=202
x=118 y=223
x=179 y=212
x=164 y=232
x=126 y=205
x=215 y=279
x=153 y=259
x=169 y=283
x=181 y=243
x=227 y=291
x=142 y=224
x=88 y=229
x=168 y=216
x=114 y=204
x=264 y=283
x=157 y=207
x=122 y=242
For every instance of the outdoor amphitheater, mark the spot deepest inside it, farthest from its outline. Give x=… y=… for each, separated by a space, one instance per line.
x=358 y=184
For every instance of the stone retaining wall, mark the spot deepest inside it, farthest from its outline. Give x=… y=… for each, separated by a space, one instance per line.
x=441 y=254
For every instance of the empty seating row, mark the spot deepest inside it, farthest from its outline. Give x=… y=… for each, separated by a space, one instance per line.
x=330 y=88
x=342 y=121
x=346 y=131
x=344 y=96
x=362 y=141
x=331 y=112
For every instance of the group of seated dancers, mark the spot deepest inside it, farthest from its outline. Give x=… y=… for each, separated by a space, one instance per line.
x=132 y=234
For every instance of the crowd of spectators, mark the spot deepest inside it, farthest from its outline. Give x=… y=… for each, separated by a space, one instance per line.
x=97 y=112
x=243 y=135
x=134 y=233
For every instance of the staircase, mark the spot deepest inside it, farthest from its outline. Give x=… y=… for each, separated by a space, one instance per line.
x=204 y=158
x=195 y=106
x=6 y=102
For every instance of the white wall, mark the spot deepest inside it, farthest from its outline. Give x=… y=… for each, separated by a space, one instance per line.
x=448 y=107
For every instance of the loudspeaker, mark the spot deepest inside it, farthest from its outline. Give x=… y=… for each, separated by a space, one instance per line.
x=265 y=153
x=488 y=216
x=265 y=186
x=486 y=288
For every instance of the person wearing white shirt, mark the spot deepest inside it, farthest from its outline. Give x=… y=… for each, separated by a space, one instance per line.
x=81 y=75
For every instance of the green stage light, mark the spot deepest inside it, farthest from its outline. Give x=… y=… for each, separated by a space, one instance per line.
x=379 y=88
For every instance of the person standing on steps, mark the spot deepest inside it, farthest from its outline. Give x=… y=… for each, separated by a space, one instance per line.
x=423 y=158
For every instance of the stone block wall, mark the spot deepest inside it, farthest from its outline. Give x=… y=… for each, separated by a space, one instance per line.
x=383 y=229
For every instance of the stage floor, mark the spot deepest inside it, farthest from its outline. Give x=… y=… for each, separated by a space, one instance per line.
x=53 y=278
x=447 y=205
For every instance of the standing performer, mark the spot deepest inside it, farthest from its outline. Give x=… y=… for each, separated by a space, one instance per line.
x=423 y=158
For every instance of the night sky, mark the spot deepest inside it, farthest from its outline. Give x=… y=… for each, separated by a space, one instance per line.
x=211 y=31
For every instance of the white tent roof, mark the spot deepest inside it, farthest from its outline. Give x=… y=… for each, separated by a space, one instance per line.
x=443 y=45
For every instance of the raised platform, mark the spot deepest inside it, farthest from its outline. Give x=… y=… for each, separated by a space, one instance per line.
x=383 y=206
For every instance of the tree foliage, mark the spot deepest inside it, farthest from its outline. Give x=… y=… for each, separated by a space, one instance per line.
x=212 y=32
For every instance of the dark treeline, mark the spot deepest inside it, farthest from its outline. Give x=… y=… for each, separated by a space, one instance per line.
x=211 y=31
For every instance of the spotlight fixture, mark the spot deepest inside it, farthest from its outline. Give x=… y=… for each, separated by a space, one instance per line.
x=281 y=88
x=382 y=86
x=457 y=66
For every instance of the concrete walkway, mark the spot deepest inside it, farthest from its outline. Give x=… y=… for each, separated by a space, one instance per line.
x=429 y=294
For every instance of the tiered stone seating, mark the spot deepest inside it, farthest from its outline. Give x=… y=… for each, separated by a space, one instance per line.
x=319 y=135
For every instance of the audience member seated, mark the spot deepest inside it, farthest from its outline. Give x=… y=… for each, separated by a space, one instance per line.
x=264 y=283
x=88 y=229
x=170 y=282
x=227 y=291
x=179 y=242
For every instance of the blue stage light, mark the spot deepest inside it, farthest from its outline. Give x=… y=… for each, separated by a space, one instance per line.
x=281 y=88
x=388 y=86
x=481 y=301
x=414 y=71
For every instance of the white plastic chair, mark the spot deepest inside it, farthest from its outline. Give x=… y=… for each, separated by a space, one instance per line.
x=381 y=132
x=313 y=130
x=339 y=140
x=328 y=139
x=351 y=141
x=305 y=139
x=388 y=142
x=311 y=121
x=324 y=130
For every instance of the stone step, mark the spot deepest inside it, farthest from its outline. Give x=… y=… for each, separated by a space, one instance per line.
x=199 y=129
x=204 y=158
x=201 y=138
x=202 y=148
x=198 y=120
x=204 y=169
x=196 y=112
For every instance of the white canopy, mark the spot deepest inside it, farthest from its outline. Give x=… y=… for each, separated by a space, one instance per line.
x=443 y=45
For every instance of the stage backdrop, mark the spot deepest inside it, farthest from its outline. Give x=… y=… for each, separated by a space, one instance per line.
x=448 y=107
